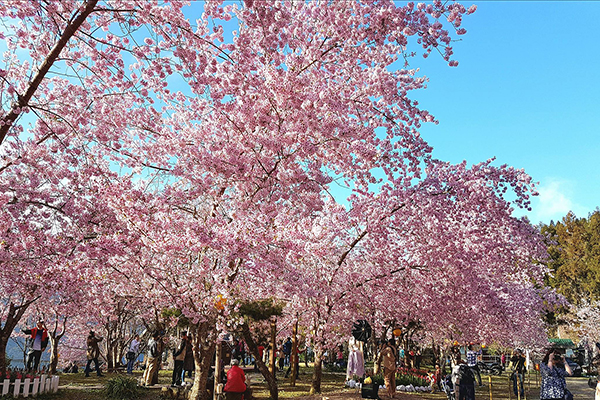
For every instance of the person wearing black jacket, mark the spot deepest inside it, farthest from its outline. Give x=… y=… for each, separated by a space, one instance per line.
x=93 y=353
x=464 y=381
x=189 y=365
x=518 y=363
x=287 y=350
x=178 y=358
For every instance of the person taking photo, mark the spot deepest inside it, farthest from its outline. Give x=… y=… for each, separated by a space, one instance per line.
x=554 y=369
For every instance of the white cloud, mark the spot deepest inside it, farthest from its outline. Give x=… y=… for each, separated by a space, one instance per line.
x=555 y=200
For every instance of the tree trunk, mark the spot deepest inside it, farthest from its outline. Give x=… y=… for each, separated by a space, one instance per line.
x=55 y=337
x=442 y=358
x=23 y=100
x=3 y=343
x=406 y=351
x=218 y=368
x=109 y=352
x=294 y=358
x=114 y=355
x=376 y=351
x=377 y=361
x=204 y=344
x=273 y=346
x=53 y=353
x=14 y=315
x=264 y=370
x=315 y=386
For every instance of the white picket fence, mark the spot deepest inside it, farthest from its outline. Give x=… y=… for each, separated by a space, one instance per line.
x=28 y=387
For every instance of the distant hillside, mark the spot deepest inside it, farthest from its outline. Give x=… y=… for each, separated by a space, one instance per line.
x=14 y=352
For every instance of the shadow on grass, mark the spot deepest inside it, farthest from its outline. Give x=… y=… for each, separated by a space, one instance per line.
x=76 y=386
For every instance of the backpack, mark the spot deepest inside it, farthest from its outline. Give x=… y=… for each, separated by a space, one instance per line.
x=465 y=375
x=153 y=348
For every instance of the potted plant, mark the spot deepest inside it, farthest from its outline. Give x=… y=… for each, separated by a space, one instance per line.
x=370 y=387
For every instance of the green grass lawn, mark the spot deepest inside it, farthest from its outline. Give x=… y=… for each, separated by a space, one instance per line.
x=76 y=386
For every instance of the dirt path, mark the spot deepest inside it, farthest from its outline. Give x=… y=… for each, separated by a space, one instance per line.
x=352 y=394
x=580 y=389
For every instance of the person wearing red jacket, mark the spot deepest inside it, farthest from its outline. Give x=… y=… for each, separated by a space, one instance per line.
x=236 y=381
x=39 y=342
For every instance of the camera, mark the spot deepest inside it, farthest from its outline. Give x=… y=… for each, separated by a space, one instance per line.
x=557 y=358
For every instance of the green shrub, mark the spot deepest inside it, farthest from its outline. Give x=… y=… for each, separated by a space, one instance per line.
x=121 y=388
x=334 y=368
x=378 y=379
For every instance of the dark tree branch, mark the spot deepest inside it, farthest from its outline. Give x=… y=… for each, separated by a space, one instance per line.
x=23 y=101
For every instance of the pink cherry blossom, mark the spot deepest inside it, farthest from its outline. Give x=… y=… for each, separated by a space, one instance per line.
x=173 y=163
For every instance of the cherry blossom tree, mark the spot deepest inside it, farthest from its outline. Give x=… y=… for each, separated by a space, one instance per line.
x=53 y=231
x=423 y=255
x=201 y=155
x=588 y=317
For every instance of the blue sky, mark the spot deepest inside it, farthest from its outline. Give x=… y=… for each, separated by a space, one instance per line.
x=526 y=91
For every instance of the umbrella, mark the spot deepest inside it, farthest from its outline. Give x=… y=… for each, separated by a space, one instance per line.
x=361 y=330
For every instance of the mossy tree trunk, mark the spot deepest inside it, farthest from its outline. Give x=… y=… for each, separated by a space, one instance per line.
x=204 y=340
x=317 y=377
x=262 y=367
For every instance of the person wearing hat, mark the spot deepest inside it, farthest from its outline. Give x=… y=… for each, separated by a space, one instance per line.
x=93 y=352
x=39 y=341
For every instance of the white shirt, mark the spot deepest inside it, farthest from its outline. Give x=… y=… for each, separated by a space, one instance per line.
x=134 y=346
x=37 y=342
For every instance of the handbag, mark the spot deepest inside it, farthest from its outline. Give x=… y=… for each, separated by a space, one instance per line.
x=568 y=394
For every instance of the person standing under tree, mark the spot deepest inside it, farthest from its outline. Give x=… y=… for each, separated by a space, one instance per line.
x=289 y=370
x=287 y=351
x=438 y=376
x=188 y=363
x=472 y=363
x=134 y=350
x=518 y=363
x=464 y=381
x=418 y=359
x=93 y=352
x=39 y=342
x=235 y=350
x=339 y=357
x=152 y=360
x=178 y=358
x=242 y=352
x=388 y=354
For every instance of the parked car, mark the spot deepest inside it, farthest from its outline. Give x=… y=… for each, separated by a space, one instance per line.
x=577 y=370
